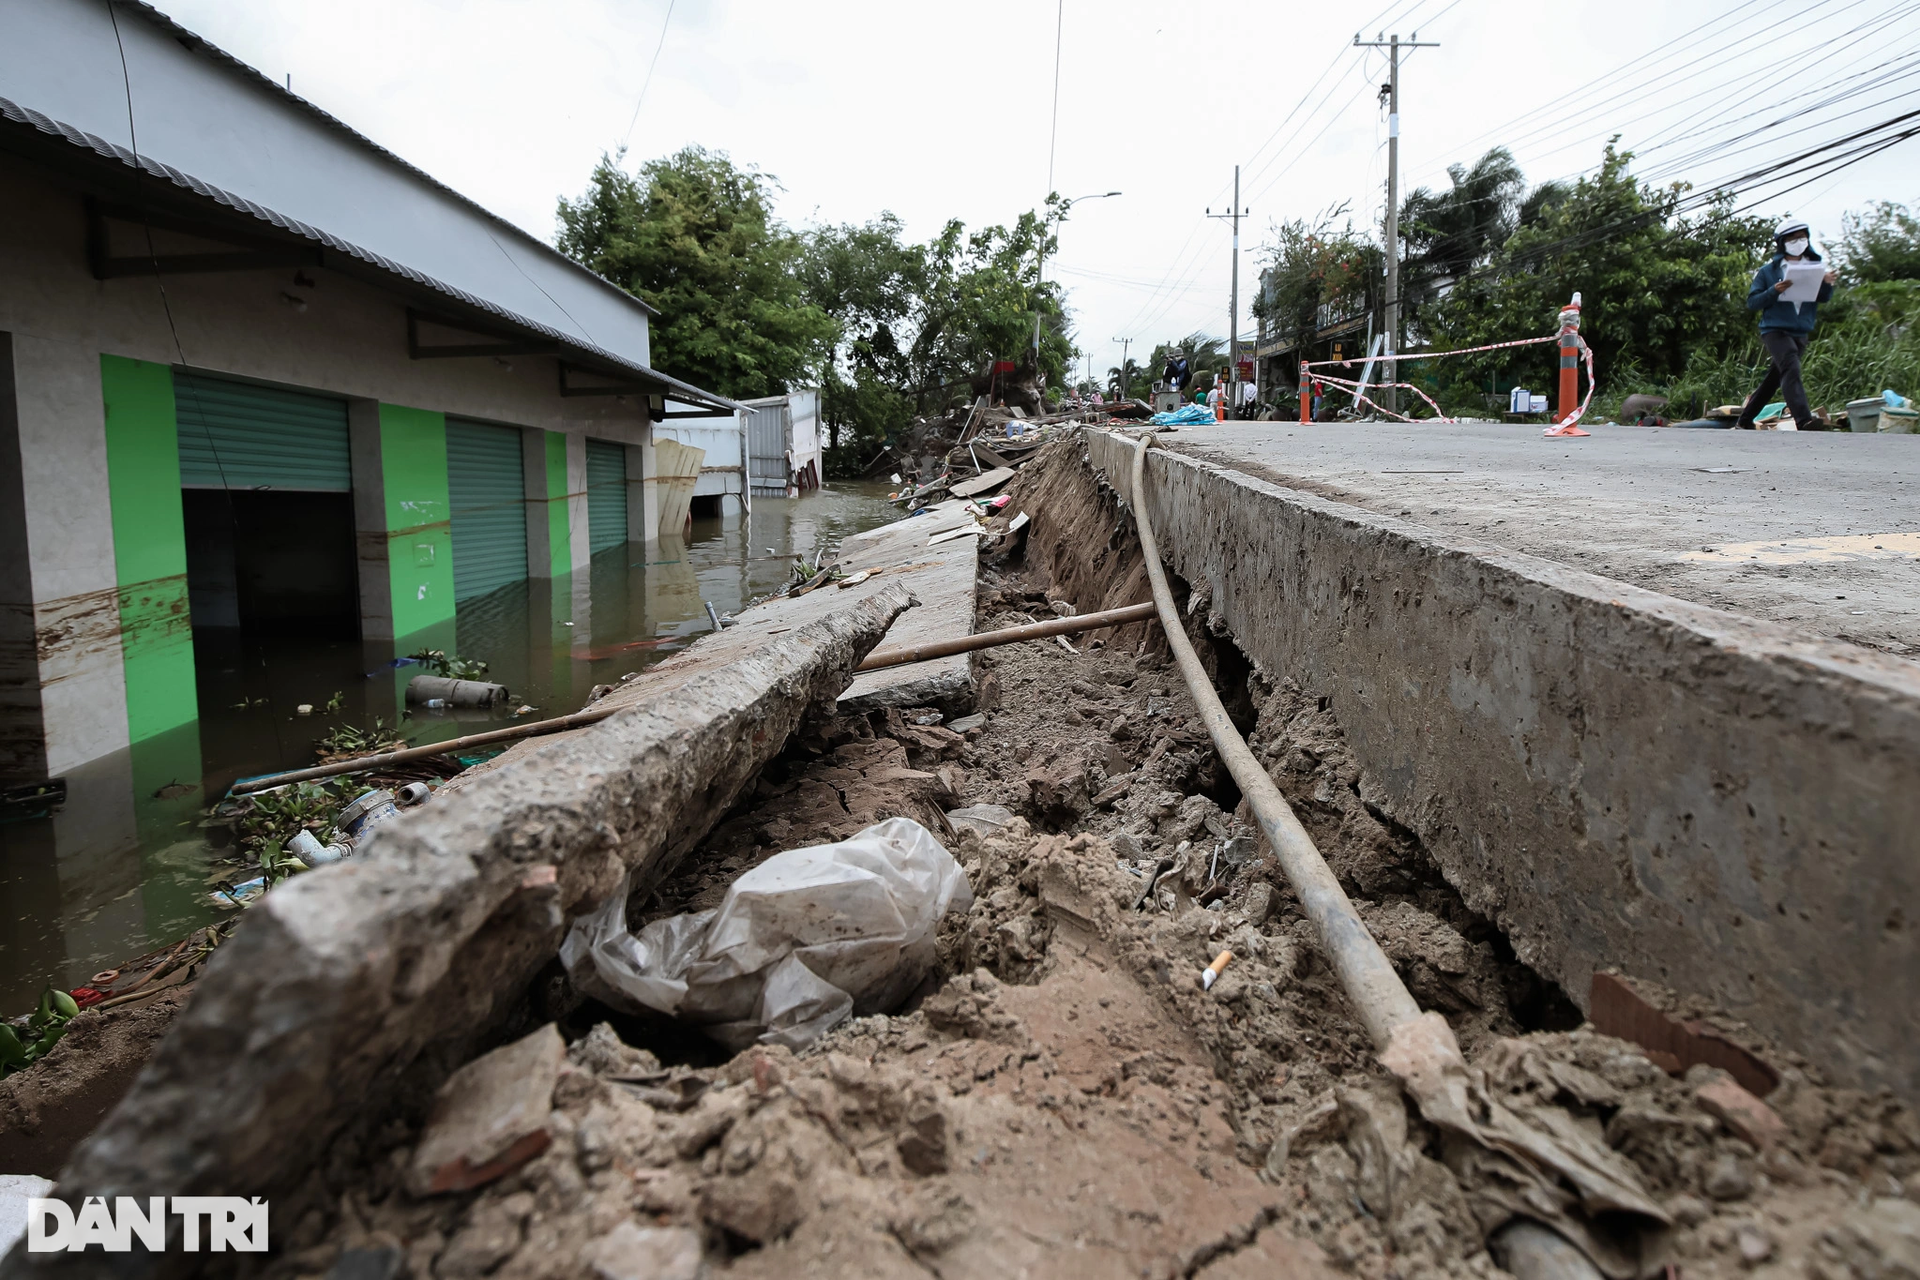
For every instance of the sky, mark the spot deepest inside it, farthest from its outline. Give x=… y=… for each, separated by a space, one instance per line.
x=937 y=110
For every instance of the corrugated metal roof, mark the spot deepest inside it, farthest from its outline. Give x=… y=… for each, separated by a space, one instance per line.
x=201 y=44
x=26 y=117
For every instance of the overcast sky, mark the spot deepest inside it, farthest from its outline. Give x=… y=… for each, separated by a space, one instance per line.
x=943 y=110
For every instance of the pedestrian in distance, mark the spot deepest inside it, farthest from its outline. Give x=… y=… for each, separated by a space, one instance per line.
x=1784 y=326
x=1217 y=401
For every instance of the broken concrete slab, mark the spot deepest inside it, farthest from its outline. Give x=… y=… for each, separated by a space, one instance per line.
x=944 y=579
x=490 y=1117
x=372 y=979
x=986 y=482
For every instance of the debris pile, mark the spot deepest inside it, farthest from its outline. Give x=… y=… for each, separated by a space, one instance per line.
x=1069 y=1085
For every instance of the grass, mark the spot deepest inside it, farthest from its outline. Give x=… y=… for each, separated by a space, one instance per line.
x=1868 y=344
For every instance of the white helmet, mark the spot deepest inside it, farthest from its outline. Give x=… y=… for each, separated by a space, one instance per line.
x=1787 y=228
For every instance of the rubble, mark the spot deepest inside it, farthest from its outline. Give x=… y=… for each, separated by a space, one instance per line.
x=490 y=1117
x=1066 y=1092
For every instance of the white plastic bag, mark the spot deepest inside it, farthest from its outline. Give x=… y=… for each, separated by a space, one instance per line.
x=799 y=942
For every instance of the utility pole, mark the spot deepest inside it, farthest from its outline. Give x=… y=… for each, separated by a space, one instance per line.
x=1393 y=47
x=1124 y=388
x=1233 y=312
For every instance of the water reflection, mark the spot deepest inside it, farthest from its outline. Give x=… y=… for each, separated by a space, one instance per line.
x=124 y=866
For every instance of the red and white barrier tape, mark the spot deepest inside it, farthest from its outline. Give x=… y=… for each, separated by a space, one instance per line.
x=1565 y=425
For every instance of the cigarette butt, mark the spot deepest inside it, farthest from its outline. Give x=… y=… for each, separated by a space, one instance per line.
x=1211 y=974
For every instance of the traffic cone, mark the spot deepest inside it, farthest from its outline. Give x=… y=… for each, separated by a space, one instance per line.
x=1570 y=345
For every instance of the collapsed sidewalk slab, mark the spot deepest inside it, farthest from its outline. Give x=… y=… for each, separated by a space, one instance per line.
x=944 y=577
x=365 y=983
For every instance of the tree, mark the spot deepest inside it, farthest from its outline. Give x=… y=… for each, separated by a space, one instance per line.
x=869 y=281
x=694 y=236
x=1881 y=245
x=1446 y=234
x=1655 y=286
x=1310 y=266
x=1124 y=379
x=915 y=323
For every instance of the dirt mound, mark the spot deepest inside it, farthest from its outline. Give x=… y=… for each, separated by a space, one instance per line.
x=46 y=1109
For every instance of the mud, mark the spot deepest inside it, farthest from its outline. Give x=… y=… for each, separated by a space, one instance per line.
x=46 y=1109
x=1064 y=1097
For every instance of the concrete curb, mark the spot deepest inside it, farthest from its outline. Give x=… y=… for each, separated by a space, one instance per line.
x=1616 y=777
x=365 y=982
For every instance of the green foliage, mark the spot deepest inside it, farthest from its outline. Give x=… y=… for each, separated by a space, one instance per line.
x=44 y=1027
x=1880 y=246
x=263 y=823
x=437 y=661
x=1656 y=287
x=1446 y=234
x=694 y=236
x=1127 y=379
x=351 y=740
x=916 y=322
x=1310 y=265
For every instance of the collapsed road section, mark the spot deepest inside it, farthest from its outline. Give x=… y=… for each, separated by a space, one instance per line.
x=1132 y=1052
x=1614 y=776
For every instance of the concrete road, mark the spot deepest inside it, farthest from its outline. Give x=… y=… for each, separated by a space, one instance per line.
x=1819 y=530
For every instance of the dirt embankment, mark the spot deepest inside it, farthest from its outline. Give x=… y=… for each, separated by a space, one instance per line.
x=1064 y=1097
x=48 y=1108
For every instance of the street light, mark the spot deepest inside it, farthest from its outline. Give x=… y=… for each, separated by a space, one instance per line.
x=1042 y=272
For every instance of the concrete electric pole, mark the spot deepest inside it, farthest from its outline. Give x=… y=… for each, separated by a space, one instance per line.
x=1393 y=47
x=1233 y=312
x=1124 y=388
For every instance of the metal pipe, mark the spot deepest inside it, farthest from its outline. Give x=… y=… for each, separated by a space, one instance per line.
x=1368 y=978
x=901 y=655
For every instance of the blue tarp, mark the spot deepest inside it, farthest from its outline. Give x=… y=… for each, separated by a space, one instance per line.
x=1185 y=416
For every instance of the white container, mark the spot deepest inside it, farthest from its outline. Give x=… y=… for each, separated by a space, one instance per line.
x=1864 y=415
x=1900 y=421
x=1539 y=403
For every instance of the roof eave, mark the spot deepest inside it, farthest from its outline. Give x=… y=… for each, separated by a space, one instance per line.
x=40 y=137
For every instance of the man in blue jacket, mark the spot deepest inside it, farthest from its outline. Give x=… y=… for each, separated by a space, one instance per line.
x=1784 y=326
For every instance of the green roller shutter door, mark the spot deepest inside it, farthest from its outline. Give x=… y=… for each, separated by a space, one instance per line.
x=234 y=435
x=487 y=492
x=606 y=494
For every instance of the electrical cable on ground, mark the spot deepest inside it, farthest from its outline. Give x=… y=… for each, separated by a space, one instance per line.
x=1418 y=1048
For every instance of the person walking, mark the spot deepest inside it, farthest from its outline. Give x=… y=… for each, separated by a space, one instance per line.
x=1784 y=326
x=1217 y=401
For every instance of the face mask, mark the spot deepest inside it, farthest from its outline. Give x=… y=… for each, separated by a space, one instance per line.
x=1795 y=248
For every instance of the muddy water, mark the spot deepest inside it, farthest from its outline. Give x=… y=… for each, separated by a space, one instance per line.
x=126 y=865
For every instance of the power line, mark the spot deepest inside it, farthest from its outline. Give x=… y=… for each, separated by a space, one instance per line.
x=648 y=82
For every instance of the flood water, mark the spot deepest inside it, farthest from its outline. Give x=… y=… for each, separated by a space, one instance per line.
x=125 y=866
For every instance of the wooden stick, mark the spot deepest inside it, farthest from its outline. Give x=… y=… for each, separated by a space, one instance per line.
x=901 y=655
x=896 y=656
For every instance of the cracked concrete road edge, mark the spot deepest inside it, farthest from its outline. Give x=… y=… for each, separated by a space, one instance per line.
x=343 y=984
x=1615 y=777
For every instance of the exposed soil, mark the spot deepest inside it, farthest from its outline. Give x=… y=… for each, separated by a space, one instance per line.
x=46 y=1109
x=1065 y=1098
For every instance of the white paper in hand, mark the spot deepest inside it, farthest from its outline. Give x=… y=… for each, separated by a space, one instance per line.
x=1803 y=281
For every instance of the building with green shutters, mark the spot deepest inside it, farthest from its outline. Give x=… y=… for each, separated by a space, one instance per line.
x=258 y=372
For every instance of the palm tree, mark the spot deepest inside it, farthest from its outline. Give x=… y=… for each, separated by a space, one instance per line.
x=1121 y=377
